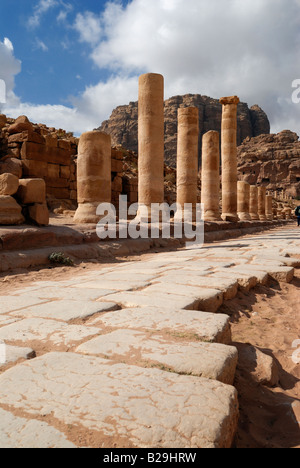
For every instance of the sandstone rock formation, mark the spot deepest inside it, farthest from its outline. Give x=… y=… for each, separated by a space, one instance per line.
x=123 y=123
x=273 y=161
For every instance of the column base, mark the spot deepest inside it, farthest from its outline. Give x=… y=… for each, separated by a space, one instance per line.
x=244 y=217
x=231 y=217
x=86 y=214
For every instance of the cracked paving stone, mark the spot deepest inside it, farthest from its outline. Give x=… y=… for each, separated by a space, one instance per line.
x=16 y=432
x=210 y=360
x=146 y=407
x=65 y=310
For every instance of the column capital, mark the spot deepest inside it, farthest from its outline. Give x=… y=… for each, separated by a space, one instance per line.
x=229 y=100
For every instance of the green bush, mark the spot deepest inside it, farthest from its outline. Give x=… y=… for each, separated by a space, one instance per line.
x=60 y=259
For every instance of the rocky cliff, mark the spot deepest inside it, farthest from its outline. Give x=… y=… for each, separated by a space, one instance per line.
x=123 y=123
x=272 y=160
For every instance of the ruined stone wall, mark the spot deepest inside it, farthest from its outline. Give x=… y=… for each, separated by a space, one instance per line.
x=36 y=151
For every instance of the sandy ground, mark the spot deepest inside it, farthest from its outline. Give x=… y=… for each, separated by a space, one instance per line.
x=266 y=317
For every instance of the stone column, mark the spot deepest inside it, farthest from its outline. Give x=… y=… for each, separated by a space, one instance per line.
x=210 y=183
x=253 y=208
x=269 y=208
x=93 y=175
x=229 y=158
x=187 y=156
x=243 y=192
x=151 y=139
x=262 y=203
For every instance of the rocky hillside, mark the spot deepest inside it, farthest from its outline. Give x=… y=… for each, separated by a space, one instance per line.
x=272 y=160
x=123 y=123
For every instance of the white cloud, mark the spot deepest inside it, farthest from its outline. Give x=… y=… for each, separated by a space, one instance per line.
x=88 y=25
x=210 y=47
x=39 y=10
x=9 y=66
x=41 y=45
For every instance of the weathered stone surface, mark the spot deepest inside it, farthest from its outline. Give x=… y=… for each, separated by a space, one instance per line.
x=51 y=331
x=10 y=211
x=29 y=433
x=11 y=166
x=229 y=157
x=9 y=184
x=31 y=191
x=150 y=408
x=14 y=353
x=204 y=326
x=213 y=361
x=21 y=124
x=2 y=121
x=93 y=176
x=123 y=123
x=65 y=310
x=39 y=213
x=44 y=153
x=151 y=139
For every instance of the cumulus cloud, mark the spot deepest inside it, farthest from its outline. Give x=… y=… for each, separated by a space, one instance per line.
x=9 y=67
x=210 y=47
x=41 y=8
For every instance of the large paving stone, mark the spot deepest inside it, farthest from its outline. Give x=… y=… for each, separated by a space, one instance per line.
x=57 y=333
x=65 y=310
x=14 y=353
x=210 y=360
x=129 y=404
x=16 y=432
x=73 y=294
x=15 y=303
x=154 y=299
x=205 y=299
x=203 y=326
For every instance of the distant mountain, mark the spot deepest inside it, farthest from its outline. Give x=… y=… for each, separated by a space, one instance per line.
x=123 y=123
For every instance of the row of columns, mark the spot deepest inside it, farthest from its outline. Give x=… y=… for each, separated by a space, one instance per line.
x=239 y=199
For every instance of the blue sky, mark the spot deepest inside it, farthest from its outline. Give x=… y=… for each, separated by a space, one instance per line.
x=70 y=63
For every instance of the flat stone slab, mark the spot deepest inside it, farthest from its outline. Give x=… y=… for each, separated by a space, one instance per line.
x=57 y=333
x=65 y=310
x=16 y=432
x=202 y=326
x=14 y=353
x=14 y=303
x=162 y=300
x=210 y=360
x=72 y=294
x=206 y=299
x=132 y=405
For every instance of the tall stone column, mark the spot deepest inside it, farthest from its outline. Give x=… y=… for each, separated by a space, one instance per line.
x=262 y=203
x=210 y=183
x=93 y=175
x=243 y=192
x=253 y=208
x=229 y=157
x=151 y=140
x=187 y=156
x=269 y=208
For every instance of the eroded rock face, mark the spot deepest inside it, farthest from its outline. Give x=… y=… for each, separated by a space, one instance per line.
x=273 y=161
x=123 y=123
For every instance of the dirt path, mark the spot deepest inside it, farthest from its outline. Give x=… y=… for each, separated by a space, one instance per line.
x=268 y=318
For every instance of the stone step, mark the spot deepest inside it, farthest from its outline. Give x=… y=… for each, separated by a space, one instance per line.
x=211 y=360
x=202 y=326
x=127 y=405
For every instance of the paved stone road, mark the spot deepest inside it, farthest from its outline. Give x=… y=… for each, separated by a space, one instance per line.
x=134 y=354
